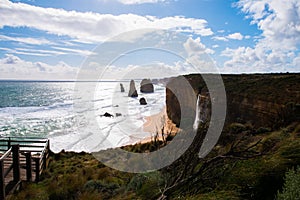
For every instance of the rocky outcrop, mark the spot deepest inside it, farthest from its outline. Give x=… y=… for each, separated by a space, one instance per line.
x=132 y=90
x=147 y=86
x=122 y=87
x=143 y=101
x=181 y=100
x=107 y=115
x=256 y=99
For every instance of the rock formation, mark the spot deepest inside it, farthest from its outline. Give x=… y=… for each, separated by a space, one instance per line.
x=256 y=99
x=122 y=87
x=146 y=86
x=143 y=101
x=132 y=90
x=107 y=115
x=181 y=101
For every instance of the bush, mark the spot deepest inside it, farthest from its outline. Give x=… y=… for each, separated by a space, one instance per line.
x=263 y=130
x=236 y=128
x=291 y=187
x=146 y=185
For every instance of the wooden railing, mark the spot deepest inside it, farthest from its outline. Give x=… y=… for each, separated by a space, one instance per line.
x=19 y=153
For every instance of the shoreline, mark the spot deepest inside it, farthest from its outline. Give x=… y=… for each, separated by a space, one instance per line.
x=156 y=125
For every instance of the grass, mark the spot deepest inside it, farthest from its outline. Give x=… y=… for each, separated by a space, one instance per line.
x=81 y=176
x=256 y=170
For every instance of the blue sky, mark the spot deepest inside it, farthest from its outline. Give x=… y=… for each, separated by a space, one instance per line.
x=54 y=39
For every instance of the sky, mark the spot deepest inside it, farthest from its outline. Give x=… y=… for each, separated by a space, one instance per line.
x=64 y=40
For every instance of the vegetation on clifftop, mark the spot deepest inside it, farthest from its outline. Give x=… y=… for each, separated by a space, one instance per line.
x=247 y=163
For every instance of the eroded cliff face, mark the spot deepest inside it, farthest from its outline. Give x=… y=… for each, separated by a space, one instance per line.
x=256 y=99
x=254 y=111
x=181 y=100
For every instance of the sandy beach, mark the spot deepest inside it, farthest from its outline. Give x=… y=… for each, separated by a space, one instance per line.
x=159 y=123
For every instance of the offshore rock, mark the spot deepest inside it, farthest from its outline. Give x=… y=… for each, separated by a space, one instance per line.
x=146 y=86
x=107 y=115
x=122 y=87
x=132 y=90
x=143 y=101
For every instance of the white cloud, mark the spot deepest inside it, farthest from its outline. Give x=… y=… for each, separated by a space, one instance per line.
x=74 y=51
x=49 y=52
x=275 y=49
x=235 y=36
x=249 y=60
x=220 y=38
x=90 y=26
x=193 y=50
x=158 y=70
x=12 y=67
x=193 y=47
x=296 y=64
x=130 y=2
x=198 y=56
x=279 y=21
x=196 y=47
x=296 y=61
x=26 y=40
x=22 y=51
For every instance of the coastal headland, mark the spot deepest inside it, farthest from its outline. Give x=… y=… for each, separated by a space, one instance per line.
x=260 y=142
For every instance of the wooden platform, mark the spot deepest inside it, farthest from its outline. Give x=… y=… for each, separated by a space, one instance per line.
x=22 y=159
x=23 y=177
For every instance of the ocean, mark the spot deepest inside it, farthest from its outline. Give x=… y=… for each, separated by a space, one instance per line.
x=62 y=112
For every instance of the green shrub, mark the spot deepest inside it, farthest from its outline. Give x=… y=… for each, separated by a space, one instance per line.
x=263 y=130
x=291 y=187
x=136 y=182
x=236 y=128
x=101 y=186
x=145 y=185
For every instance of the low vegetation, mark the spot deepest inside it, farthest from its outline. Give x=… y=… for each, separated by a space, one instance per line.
x=291 y=185
x=247 y=163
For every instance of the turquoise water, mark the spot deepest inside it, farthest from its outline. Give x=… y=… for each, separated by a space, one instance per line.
x=30 y=94
x=48 y=109
x=34 y=108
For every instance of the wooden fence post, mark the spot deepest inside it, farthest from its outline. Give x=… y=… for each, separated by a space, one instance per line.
x=28 y=166
x=48 y=152
x=37 y=169
x=2 y=181
x=16 y=162
x=8 y=143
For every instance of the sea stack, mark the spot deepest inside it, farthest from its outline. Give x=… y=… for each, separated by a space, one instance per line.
x=122 y=87
x=132 y=90
x=146 y=86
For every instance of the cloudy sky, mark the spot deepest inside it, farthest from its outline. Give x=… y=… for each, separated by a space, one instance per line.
x=53 y=39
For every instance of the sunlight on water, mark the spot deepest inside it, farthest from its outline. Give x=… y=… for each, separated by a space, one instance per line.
x=46 y=109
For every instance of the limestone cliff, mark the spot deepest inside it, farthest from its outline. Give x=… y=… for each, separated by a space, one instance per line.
x=260 y=99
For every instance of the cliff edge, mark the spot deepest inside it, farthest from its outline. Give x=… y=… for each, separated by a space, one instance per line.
x=259 y=99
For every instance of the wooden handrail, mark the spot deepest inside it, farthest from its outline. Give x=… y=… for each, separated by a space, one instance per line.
x=8 y=170
x=6 y=154
x=22 y=146
x=15 y=166
x=27 y=137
